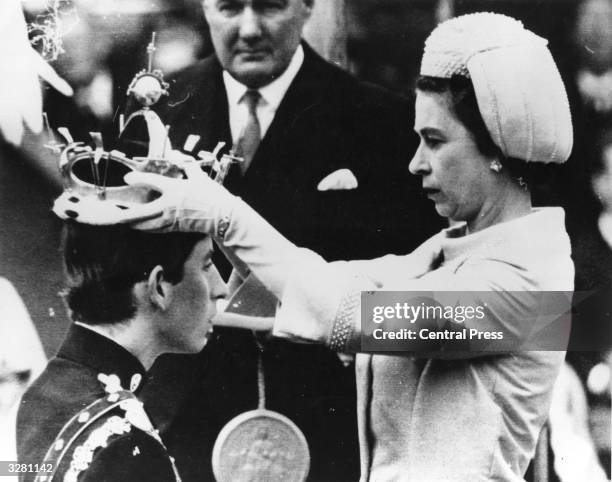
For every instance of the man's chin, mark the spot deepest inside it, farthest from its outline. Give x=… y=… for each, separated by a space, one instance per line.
x=197 y=348
x=201 y=340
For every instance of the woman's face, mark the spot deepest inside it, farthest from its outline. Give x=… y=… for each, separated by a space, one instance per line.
x=456 y=176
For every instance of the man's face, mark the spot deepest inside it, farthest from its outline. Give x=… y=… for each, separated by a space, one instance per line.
x=256 y=39
x=193 y=302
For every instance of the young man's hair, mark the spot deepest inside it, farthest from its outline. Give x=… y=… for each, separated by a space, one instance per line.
x=103 y=263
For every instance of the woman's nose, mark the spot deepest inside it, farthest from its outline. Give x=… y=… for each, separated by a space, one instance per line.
x=418 y=164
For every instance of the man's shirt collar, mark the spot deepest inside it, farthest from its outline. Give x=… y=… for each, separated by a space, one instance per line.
x=273 y=93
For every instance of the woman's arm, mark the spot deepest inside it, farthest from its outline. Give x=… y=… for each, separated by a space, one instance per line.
x=507 y=312
x=321 y=302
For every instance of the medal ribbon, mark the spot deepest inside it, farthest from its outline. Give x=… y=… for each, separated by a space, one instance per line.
x=261 y=378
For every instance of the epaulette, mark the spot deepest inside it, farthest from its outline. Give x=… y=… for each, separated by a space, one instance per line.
x=101 y=424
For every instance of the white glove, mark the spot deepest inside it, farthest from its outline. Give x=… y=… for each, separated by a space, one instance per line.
x=20 y=66
x=311 y=290
x=196 y=204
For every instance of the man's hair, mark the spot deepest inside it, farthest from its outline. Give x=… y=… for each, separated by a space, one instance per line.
x=103 y=263
x=465 y=106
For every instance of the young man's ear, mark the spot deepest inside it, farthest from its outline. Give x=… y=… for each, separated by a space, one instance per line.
x=159 y=290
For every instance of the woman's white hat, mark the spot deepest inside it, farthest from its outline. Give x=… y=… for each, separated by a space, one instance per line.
x=519 y=90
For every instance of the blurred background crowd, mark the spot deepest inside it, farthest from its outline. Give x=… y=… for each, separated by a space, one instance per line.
x=104 y=45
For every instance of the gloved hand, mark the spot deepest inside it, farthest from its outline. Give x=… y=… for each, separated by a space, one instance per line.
x=197 y=204
x=20 y=67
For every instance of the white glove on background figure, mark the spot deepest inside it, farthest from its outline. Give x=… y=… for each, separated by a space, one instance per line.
x=20 y=67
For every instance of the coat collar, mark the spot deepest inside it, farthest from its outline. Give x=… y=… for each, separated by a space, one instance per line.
x=548 y=223
x=101 y=354
x=198 y=103
x=304 y=95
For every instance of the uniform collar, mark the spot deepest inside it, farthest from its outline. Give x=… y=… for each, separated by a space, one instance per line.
x=273 y=93
x=103 y=355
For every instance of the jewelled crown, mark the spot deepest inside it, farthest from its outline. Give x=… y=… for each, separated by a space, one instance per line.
x=94 y=189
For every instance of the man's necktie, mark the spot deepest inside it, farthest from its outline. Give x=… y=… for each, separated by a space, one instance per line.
x=251 y=135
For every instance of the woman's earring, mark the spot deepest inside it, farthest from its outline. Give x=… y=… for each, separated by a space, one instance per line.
x=495 y=165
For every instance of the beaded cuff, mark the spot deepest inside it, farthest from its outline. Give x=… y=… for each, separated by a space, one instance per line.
x=343 y=328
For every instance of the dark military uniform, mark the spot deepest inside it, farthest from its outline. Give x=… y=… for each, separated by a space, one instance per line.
x=78 y=415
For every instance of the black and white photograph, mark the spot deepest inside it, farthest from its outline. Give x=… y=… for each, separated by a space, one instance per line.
x=305 y=240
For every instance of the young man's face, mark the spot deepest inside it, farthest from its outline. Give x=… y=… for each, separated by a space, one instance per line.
x=256 y=39
x=193 y=302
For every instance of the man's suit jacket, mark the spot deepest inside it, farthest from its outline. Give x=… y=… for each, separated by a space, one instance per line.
x=326 y=121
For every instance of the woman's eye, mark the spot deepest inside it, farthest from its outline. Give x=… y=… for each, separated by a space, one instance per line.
x=432 y=141
x=207 y=266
